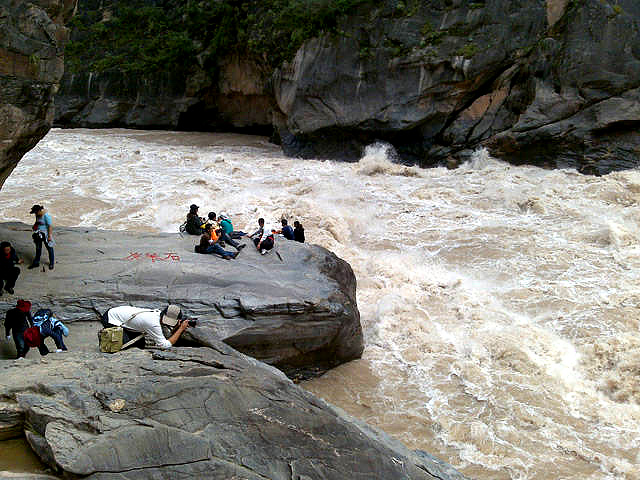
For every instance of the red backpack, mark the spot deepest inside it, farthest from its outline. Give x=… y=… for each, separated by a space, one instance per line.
x=32 y=337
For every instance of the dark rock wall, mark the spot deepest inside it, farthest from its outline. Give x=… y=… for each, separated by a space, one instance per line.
x=237 y=100
x=32 y=38
x=548 y=82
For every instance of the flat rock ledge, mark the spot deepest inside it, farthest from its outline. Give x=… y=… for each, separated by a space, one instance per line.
x=208 y=412
x=294 y=309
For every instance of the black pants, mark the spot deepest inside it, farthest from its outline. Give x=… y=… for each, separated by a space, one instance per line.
x=267 y=243
x=39 y=242
x=10 y=276
x=22 y=348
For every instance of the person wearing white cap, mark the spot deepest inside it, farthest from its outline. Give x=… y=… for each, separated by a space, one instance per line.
x=149 y=322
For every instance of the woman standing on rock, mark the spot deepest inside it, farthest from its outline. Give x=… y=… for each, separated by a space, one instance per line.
x=42 y=233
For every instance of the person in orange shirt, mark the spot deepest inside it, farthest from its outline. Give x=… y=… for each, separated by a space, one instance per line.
x=209 y=244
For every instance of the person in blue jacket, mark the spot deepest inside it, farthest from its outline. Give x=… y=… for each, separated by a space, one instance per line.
x=42 y=233
x=287 y=231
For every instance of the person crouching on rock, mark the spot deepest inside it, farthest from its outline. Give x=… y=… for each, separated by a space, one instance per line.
x=50 y=326
x=227 y=226
x=286 y=230
x=134 y=320
x=8 y=270
x=42 y=233
x=194 y=224
x=266 y=241
x=209 y=244
x=17 y=321
x=298 y=232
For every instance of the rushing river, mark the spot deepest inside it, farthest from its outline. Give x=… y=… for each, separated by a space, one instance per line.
x=499 y=303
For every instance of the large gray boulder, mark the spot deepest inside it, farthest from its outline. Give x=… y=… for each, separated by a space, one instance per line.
x=32 y=39
x=295 y=309
x=206 y=412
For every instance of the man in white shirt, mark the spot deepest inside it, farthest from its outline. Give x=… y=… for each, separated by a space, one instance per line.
x=147 y=321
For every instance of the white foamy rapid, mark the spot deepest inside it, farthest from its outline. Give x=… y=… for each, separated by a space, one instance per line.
x=499 y=303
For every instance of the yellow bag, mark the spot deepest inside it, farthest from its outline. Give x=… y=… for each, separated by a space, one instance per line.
x=110 y=339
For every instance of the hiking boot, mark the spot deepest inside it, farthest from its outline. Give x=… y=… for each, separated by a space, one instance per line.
x=51 y=266
x=234 y=255
x=10 y=290
x=240 y=247
x=33 y=265
x=263 y=251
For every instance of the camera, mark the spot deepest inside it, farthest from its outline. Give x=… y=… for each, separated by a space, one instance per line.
x=192 y=321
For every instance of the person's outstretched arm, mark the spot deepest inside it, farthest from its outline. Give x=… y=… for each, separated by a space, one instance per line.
x=179 y=331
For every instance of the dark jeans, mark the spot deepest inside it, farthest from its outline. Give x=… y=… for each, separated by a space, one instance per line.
x=23 y=349
x=46 y=330
x=227 y=239
x=215 y=248
x=38 y=242
x=10 y=275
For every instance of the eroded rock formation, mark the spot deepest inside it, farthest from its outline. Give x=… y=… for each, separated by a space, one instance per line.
x=32 y=39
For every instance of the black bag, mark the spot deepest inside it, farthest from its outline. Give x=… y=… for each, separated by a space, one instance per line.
x=197 y=249
x=194 y=225
x=39 y=236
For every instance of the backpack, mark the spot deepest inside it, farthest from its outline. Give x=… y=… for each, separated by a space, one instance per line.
x=42 y=316
x=194 y=225
x=32 y=337
x=110 y=339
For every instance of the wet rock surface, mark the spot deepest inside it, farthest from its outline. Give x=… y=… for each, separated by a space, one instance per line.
x=295 y=309
x=206 y=412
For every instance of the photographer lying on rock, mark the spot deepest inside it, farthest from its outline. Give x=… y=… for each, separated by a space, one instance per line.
x=135 y=320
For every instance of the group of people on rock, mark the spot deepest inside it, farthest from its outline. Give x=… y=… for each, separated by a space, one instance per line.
x=218 y=231
x=30 y=331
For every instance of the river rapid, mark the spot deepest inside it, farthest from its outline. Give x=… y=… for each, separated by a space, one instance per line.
x=499 y=303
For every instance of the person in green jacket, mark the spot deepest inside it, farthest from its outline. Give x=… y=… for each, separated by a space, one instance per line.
x=226 y=230
x=227 y=226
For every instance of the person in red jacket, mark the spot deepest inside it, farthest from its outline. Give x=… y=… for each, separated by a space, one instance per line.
x=17 y=321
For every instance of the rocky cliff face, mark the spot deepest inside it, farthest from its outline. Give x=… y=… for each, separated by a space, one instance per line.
x=32 y=39
x=237 y=100
x=552 y=82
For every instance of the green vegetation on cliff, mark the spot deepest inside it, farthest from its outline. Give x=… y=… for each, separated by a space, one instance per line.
x=148 y=36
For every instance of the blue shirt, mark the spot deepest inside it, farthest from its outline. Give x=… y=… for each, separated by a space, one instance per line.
x=287 y=231
x=43 y=223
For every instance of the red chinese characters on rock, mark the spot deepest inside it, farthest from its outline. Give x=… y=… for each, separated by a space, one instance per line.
x=166 y=257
